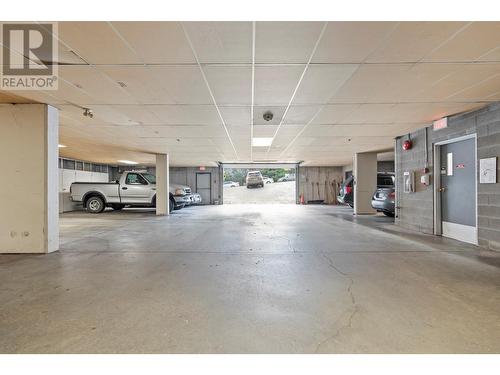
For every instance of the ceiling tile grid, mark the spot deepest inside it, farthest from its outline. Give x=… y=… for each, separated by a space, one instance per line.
x=334 y=89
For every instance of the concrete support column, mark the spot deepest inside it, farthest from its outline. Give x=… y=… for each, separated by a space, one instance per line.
x=162 y=184
x=365 y=182
x=29 y=216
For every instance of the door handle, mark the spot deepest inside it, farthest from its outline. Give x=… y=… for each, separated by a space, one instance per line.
x=124 y=188
x=442 y=189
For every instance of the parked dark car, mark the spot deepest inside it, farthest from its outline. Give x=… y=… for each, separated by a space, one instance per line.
x=346 y=193
x=384 y=196
x=383 y=200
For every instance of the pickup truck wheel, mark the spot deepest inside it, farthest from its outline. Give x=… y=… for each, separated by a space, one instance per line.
x=95 y=205
x=117 y=207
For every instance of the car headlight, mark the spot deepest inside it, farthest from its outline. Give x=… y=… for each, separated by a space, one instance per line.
x=179 y=192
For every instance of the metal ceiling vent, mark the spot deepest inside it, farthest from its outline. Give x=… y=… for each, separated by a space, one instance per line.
x=268 y=116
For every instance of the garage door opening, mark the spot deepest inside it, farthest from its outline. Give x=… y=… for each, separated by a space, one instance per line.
x=259 y=184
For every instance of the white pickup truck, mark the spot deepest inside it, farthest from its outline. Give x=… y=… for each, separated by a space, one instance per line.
x=133 y=189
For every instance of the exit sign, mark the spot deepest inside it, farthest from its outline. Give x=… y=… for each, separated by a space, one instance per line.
x=202 y=168
x=440 y=124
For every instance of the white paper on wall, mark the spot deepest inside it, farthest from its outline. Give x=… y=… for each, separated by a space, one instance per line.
x=488 y=171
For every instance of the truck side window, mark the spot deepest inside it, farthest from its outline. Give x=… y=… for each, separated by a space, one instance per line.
x=135 y=179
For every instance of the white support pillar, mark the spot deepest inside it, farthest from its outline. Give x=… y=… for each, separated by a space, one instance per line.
x=162 y=184
x=29 y=216
x=365 y=182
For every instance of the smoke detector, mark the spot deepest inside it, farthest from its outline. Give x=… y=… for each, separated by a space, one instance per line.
x=268 y=116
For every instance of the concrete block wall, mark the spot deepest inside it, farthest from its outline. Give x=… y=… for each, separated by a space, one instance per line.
x=316 y=183
x=417 y=209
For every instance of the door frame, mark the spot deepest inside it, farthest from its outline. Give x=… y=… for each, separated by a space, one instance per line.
x=210 y=184
x=438 y=228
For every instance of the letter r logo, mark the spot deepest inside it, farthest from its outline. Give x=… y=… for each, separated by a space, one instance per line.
x=28 y=49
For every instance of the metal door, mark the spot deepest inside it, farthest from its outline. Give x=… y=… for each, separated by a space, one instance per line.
x=204 y=187
x=458 y=190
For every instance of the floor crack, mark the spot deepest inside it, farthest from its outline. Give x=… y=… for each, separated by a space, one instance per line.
x=353 y=309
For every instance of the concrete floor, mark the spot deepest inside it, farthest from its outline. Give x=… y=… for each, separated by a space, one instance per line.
x=277 y=192
x=249 y=279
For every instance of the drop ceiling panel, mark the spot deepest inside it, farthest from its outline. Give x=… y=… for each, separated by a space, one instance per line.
x=174 y=141
x=103 y=115
x=486 y=88
x=90 y=82
x=230 y=84
x=474 y=42
x=186 y=114
x=351 y=42
x=236 y=115
x=69 y=93
x=349 y=131
x=239 y=132
x=321 y=82
x=459 y=80
x=97 y=43
x=285 y=42
x=221 y=42
x=139 y=82
x=370 y=113
x=130 y=114
x=333 y=113
x=300 y=114
x=184 y=131
x=264 y=130
x=412 y=41
x=168 y=84
x=143 y=38
x=274 y=85
x=368 y=81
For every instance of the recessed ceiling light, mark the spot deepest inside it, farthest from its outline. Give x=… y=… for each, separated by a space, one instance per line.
x=128 y=162
x=262 y=142
x=61 y=146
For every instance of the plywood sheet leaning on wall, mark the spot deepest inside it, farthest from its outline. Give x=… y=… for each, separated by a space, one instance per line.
x=320 y=184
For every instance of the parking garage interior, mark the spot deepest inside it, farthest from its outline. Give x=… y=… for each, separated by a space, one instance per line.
x=314 y=275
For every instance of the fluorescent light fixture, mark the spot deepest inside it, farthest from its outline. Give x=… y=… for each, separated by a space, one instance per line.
x=61 y=146
x=128 y=162
x=262 y=142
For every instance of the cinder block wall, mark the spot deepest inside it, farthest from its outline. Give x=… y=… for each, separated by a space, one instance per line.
x=320 y=183
x=416 y=210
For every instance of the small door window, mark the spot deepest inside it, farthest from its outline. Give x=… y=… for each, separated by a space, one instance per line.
x=135 y=179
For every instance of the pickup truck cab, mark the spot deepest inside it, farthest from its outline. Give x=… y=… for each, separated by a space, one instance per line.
x=133 y=189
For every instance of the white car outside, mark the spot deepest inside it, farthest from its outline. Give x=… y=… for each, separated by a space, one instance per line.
x=231 y=184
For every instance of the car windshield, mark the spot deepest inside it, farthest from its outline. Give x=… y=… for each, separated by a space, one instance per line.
x=150 y=177
x=253 y=173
